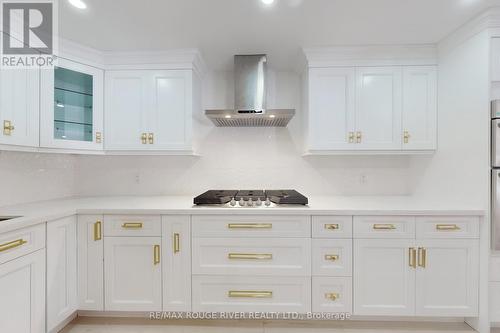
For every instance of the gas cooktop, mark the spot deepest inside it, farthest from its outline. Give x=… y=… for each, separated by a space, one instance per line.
x=250 y=198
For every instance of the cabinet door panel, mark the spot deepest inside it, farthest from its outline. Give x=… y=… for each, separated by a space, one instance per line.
x=419 y=108
x=384 y=282
x=378 y=107
x=62 y=292
x=170 y=116
x=132 y=278
x=19 y=104
x=72 y=106
x=126 y=108
x=331 y=108
x=90 y=263
x=177 y=263
x=448 y=285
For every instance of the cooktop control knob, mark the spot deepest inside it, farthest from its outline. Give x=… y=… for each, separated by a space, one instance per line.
x=268 y=202
x=242 y=202
x=259 y=202
x=233 y=202
x=250 y=202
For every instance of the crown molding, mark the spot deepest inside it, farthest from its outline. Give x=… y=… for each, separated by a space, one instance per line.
x=371 y=55
x=489 y=19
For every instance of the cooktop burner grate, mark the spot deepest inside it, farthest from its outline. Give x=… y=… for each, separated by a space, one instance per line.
x=251 y=198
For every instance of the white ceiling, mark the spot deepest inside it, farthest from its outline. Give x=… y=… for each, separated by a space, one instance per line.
x=222 y=28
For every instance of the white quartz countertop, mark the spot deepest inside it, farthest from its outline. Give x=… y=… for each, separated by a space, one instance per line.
x=43 y=211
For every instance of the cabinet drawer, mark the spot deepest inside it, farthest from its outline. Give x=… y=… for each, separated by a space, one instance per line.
x=251 y=226
x=447 y=227
x=20 y=242
x=332 y=257
x=331 y=294
x=384 y=227
x=132 y=225
x=247 y=256
x=251 y=294
x=332 y=226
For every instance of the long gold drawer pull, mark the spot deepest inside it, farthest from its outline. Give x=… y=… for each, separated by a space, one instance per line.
x=332 y=296
x=447 y=227
x=250 y=256
x=13 y=244
x=156 y=254
x=384 y=227
x=132 y=225
x=250 y=226
x=412 y=257
x=331 y=226
x=332 y=257
x=98 y=230
x=250 y=294
x=177 y=243
x=422 y=257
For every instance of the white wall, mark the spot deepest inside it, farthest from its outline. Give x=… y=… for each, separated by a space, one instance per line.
x=28 y=177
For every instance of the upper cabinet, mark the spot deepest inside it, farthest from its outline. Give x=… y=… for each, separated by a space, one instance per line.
x=149 y=110
x=72 y=107
x=19 y=107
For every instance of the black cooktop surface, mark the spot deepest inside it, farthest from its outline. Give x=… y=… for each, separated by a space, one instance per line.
x=279 y=197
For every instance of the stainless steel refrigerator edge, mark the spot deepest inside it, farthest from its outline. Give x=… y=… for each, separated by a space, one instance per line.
x=495 y=175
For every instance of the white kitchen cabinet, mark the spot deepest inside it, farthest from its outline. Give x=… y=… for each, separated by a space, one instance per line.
x=331 y=294
x=176 y=253
x=90 y=263
x=22 y=290
x=331 y=108
x=448 y=278
x=19 y=107
x=419 y=108
x=132 y=274
x=72 y=106
x=378 y=108
x=149 y=110
x=384 y=281
x=62 y=276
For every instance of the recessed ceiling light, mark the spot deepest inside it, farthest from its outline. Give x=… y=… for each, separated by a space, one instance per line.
x=267 y=2
x=78 y=4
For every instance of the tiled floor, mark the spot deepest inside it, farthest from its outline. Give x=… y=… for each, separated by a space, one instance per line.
x=130 y=325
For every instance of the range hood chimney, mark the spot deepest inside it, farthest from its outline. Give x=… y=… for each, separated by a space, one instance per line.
x=250 y=83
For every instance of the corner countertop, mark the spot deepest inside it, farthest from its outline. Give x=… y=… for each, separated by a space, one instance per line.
x=43 y=211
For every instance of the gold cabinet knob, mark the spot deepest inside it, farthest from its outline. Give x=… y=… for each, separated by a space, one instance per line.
x=98 y=137
x=406 y=136
x=332 y=296
x=144 y=138
x=151 y=138
x=351 y=137
x=359 y=137
x=7 y=127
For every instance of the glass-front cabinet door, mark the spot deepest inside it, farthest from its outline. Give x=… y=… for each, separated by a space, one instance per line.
x=72 y=107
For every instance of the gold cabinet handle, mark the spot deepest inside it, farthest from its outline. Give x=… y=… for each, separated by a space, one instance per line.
x=406 y=136
x=250 y=256
x=7 y=127
x=151 y=139
x=132 y=225
x=144 y=138
x=13 y=244
x=156 y=254
x=331 y=226
x=250 y=226
x=351 y=137
x=98 y=231
x=384 y=227
x=422 y=257
x=412 y=257
x=332 y=296
x=359 y=137
x=447 y=227
x=332 y=257
x=250 y=294
x=177 y=243
x=98 y=137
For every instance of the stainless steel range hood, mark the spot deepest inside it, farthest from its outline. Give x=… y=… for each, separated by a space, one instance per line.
x=250 y=83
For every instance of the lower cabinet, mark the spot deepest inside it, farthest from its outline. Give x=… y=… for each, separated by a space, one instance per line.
x=62 y=276
x=132 y=274
x=90 y=263
x=22 y=290
x=331 y=294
